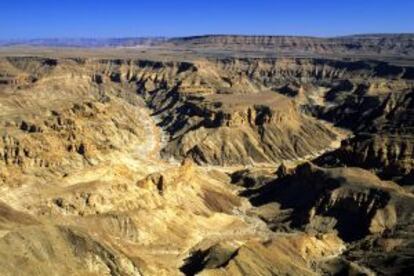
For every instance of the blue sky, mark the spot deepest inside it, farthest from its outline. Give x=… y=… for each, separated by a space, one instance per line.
x=117 y=18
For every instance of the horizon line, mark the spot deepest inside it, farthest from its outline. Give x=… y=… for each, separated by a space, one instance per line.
x=202 y=35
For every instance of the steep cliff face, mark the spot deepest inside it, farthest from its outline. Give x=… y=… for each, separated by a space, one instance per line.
x=245 y=129
x=380 y=115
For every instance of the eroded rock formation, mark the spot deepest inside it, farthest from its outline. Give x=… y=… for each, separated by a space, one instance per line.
x=234 y=166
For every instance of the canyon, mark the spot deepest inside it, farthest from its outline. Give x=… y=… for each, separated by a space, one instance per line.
x=212 y=155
